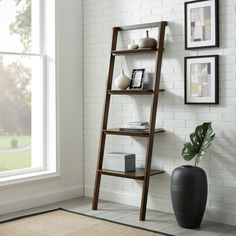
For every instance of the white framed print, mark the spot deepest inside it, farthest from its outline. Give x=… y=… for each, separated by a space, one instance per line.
x=201 y=24
x=201 y=80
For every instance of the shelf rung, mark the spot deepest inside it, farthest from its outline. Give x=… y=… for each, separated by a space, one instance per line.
x=134 y=51
x=142 y=26
x=137 y=174
x=116 y=131
x=133 y=92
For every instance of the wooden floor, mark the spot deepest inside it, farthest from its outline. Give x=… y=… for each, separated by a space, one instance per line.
x=159 y=221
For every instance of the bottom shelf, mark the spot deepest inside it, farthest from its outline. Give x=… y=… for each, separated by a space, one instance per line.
x=137 y=174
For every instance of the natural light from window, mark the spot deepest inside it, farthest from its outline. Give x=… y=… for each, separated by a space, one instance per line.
x=22 y=87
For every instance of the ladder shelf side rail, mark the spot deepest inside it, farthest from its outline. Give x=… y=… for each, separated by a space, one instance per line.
x=104 y=122
x=159 y=54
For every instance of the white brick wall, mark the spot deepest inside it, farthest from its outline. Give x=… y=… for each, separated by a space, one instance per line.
x=178 y=119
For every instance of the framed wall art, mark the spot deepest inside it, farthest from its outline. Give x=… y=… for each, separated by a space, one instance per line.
x=137 y=79
x=201 y=24
x=201 y=80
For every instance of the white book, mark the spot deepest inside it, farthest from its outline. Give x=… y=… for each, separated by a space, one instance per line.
x=138 y=123
x=140 y=127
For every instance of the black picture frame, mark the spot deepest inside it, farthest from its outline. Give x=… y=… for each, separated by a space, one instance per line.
x=215 y=41
x=137 y=79
x=214 y=68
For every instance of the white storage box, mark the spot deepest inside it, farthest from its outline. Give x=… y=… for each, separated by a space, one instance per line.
x=119 y=161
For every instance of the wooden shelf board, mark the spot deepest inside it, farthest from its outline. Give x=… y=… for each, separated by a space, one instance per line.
x=133 y=92
x=142 y=26
x=137 y=174
x=116 y=131
x=134 y=51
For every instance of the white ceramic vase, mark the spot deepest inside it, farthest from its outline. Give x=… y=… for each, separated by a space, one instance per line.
x=122 y=81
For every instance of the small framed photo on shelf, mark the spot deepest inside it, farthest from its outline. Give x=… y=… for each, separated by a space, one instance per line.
x=201 y=80
x=137 y=79
x=201 y=24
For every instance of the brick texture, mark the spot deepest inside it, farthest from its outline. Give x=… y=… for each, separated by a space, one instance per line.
x=178 y=119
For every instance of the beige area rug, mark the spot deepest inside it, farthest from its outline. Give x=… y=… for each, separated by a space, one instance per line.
x=61 y=222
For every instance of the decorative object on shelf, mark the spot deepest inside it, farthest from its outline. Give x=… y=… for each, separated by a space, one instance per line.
x=140 y=123
x=132 y=46
x=119 y=161
x=201 y=24
x=148 y=81
x=147 y=42
x=189 y=183
x=135 y=126
x=122 y=81
x=201 y=80
x=137 y=79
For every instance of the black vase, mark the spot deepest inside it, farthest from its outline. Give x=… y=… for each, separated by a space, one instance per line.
x=189 y=195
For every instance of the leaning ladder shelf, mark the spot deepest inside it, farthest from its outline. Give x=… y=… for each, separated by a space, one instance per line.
x=143 y=173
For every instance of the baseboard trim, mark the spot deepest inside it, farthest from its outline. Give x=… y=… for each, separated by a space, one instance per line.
x=220 y=217
x=132 y=199
x=160 y=205
x=41 y=199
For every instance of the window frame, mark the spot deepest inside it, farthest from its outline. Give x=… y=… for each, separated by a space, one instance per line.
x=47 y=53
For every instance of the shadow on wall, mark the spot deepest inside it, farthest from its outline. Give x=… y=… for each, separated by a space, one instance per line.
x=224 y=152
x=166 y=150
x=174 y=42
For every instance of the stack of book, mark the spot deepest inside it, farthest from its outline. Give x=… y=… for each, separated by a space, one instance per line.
x=135 y=126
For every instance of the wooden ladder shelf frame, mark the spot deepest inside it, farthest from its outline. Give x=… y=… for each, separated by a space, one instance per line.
x=147 y=172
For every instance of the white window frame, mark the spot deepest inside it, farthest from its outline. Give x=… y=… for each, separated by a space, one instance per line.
x=47 y=52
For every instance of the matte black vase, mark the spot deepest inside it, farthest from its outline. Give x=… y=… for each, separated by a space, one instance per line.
x=189 y=195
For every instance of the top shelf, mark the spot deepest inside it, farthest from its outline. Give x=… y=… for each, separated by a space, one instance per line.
x=133 y=92
x=142 y=26
x=134 y=51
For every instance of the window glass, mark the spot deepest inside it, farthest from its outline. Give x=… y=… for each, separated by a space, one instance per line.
x=21 y=86
x=19 y=26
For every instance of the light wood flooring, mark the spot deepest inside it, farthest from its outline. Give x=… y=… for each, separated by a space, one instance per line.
x=155 y=220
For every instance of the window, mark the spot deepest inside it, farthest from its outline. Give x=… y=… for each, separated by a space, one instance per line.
x=26 y=80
